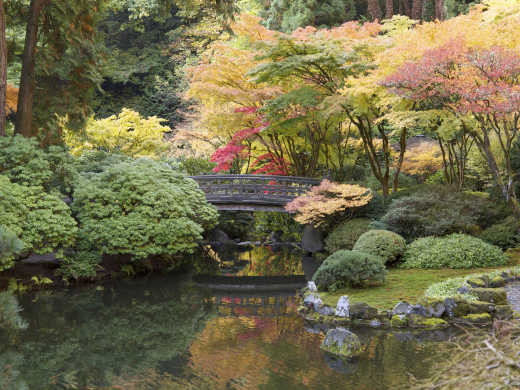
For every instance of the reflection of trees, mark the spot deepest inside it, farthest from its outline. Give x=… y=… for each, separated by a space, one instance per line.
x=264 y=261
x=92 y=336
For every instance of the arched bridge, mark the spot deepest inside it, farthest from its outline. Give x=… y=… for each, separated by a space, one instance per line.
x=253 y=192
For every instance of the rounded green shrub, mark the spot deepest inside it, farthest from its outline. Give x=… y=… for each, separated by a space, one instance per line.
x=505 y=234
x=349 y=269
x=453 y=251
x=388 y=245
x=142 y=208
x=41 y=220
x=345 y=235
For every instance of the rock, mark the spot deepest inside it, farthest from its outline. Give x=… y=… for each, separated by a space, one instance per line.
x=503 y=312
x=313 y=301
x=375 y=324
x=48 y=260
x=220 y=237
x=450 y=305
x=312 y=240
x=498 y=296
x=477 y=307
x=463 y=290
x=399 y=321
x=436 y=310
x=401 y=308
x=418 y=321
x=362 y=311
x=311 y=286
x=341 y=342
x=324 y=310
x=482 y=318
x=497 y=281
x=476 y=282
x=343 y=307
x=420 y=310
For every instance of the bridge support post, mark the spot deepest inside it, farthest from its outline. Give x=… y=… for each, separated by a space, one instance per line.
x=312 y=239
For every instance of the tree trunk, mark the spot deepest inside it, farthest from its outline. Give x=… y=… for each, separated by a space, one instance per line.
x=3 y=71
x=402 y=151
x=404 y=8
x=374 y=9
x=417 y=8
x=389 y=9
x=24 y=115
x=440 y=10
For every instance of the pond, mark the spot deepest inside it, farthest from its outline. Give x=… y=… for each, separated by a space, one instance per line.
x=165 y=332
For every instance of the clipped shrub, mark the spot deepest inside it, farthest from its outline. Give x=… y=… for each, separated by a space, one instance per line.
x=142 y=208
x=345 y=235
x=41 y=220
x=349 y=269
x=441 y=210
x=80 y=265
x=325 y=203
x=388 y=245
x=453 y=251
x=505 y=234
x=24 y=162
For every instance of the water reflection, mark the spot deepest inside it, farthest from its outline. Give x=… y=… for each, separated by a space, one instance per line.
x=166 y=333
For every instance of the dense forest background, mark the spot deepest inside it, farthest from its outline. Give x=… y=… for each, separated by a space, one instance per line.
x=133 y=53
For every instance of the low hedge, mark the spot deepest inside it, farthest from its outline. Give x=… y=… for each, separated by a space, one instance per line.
x=453 y=251
x=349 y=269
x=388 y=245
x=346 y=234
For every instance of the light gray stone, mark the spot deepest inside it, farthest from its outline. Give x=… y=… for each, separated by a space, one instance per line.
x=312 y=286
x=324 y=310
x=313 y=300
x=402 y=308
x=375 y=323
x=419 y=310
x=436 y=310
x=343 y=307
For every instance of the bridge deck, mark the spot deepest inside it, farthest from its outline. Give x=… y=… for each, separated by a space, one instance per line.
x=253 y=192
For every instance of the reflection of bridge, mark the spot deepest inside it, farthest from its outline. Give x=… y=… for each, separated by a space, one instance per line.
x=254 y=305
x=253 y=192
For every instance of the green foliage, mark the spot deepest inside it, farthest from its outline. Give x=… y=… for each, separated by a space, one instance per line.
x=10 y=319
x=80 y=265
x=267 y=223
x=127 y=133
x=346 y=234
x=505 y=234
x=194 y=166
x=236 y=224
x=10 y=245
x=441 y=210
x=288 y=15
x=142 y=208
x=383 y=243
x=24 y=162
x=453 y=251
x=349 y=269
x=42 y=221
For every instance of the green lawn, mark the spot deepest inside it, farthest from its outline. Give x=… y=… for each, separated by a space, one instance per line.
x=404 y=285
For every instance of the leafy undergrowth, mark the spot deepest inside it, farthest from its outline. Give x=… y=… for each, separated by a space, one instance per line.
x=406 y=285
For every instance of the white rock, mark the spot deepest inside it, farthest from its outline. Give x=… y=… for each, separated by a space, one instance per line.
x=312 y=286
x=343 y=307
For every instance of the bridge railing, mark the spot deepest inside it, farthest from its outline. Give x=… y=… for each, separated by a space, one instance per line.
x=250 y=188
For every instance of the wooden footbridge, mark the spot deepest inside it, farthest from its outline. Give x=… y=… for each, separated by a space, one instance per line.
x=253 y=192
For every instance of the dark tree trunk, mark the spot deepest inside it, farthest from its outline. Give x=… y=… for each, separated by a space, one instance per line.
x=417 y=8
x=389 y=9
x=374 y=9
x=3 y=71
x=440 y=10
x=24 y=115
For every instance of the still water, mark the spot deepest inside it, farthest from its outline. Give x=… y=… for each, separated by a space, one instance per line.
x=164 y=332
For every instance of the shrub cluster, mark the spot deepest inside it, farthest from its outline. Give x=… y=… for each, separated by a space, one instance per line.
x=388 y=245
x=453 y=251
x=142 y=208
x=349 y=268
x=438 y=211
x=346 y=234
x=505 y=234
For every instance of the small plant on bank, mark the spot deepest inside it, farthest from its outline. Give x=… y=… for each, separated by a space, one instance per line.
x=349 y=269
x=388 y=245
x=327 y=202
x=453 y=251
x=345 y=235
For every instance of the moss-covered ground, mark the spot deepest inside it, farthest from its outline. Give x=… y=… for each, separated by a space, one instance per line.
x=405 y=285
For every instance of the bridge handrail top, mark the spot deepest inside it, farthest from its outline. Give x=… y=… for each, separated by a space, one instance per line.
x=258 y=177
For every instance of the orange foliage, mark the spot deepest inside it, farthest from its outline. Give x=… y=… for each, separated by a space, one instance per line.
x=12 y=99
x=422 y=159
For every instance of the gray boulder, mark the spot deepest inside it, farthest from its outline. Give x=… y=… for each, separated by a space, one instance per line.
x=343 y=307
x=436 y=310
x=312 y=240
x=362 y=311
x=48 y=260
x=402 y=308
x=419 y=310
x=313 y=301
x=342 y=342
x=311 y=286
x=324 y=310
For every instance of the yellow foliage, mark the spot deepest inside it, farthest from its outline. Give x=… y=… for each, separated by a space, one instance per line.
x=422 y=159
x=126 y=133
x=12 y=99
